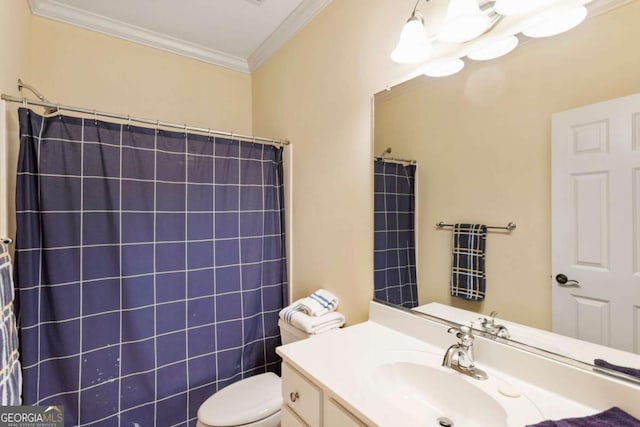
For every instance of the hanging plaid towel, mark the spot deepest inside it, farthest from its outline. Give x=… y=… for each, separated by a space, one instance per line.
x=10 y=374
x=468 y=278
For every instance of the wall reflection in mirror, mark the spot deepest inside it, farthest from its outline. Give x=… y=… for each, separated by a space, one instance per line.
x=520 y=140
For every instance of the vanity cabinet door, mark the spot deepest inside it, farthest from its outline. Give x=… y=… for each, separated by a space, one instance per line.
x=290 y=419
x=303 y=397
x=336 y=415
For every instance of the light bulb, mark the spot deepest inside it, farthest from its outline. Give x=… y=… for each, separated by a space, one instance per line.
x=413 y=46
x=443 y=67
x=555 y=21
x=514 y=7
x=493 y=48
x=464 y=21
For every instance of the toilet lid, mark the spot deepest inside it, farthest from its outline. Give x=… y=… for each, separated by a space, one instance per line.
x=243 y=402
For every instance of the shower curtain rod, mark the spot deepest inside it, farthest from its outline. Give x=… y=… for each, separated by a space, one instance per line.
x=156 y=123
x=396 y=160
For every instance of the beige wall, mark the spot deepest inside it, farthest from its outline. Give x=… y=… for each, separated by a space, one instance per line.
x=14 y=48
x=317 y=92
x=483 y=142
x=14 y=43
x=79 y=67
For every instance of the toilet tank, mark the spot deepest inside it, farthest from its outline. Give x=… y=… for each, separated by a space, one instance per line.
x=290 y=333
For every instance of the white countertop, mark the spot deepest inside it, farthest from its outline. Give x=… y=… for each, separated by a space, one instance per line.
x=339 y=361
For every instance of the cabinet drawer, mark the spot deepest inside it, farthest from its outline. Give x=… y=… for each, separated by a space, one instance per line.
x=290 y=419
x=336 y=415
x=301 y=396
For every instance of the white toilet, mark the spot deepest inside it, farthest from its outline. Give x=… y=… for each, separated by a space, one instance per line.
x=252 y=402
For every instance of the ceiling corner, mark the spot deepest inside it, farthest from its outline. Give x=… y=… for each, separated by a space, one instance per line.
x=301 y=16
x=35 y=5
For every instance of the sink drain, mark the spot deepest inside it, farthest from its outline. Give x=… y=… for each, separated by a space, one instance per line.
x=444 y=422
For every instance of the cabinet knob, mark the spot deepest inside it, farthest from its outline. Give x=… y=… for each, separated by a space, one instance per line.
x=294 y=396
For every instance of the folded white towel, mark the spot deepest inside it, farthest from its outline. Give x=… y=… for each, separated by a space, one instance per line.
x=328 y=327
x=319 y=303
x=310 y=324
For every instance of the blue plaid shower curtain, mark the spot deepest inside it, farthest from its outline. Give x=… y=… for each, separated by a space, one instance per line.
x=394 y=234
x=150 y=267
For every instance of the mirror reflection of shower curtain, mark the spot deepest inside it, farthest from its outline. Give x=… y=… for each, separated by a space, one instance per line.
x=394 y=233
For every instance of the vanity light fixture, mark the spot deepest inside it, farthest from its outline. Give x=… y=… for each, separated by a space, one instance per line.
x=413 y=46
x=464 y=21
x=555 y=21
x=493 y=48
x=514 y=7
x=473 y=28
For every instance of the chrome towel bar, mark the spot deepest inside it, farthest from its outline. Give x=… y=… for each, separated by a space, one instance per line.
x=509 y=227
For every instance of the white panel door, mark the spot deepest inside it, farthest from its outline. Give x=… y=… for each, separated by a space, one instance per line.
x=595 y=167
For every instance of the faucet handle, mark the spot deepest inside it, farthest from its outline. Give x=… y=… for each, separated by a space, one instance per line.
x=455 y=330
x=466 y=336
x=463 y=333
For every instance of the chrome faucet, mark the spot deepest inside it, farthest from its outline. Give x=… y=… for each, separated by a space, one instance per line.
x=459 y=357
x=489 y=325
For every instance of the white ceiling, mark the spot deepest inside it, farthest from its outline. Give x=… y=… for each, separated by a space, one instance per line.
x=236 y=34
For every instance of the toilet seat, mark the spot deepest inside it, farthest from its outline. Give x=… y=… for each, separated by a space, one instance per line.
x=243 y=402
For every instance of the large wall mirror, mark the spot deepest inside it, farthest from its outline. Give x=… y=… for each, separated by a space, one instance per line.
x=478 y=147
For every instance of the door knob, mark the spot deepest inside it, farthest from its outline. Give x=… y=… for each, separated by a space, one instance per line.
x=563 y=280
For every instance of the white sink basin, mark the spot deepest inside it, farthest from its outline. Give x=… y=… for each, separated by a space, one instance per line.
x=440 y=393
x=415 y=383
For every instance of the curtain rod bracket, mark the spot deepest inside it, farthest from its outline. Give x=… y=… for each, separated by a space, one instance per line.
x=33 y=90
x=38 y=94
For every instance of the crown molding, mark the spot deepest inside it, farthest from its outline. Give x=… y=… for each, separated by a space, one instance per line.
x=301 y=16
x=70 y=15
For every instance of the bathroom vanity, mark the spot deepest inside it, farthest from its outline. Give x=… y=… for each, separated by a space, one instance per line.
x=387 y=371
x=307 y=403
